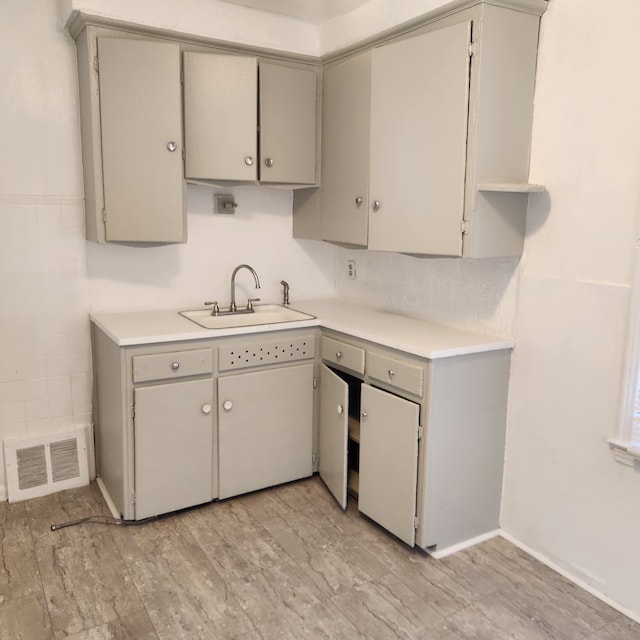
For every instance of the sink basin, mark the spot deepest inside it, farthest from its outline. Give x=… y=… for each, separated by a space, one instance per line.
x=263 y=314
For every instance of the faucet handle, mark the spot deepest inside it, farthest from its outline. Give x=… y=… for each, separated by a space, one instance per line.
x=250 y=302
x=285 y=293
x=216 y=309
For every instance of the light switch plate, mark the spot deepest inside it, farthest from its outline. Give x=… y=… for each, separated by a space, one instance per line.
x=224 y=203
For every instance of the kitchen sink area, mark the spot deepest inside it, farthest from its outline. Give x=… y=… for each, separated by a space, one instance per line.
x=263 y=314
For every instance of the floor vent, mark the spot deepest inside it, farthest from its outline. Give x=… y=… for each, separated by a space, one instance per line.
x=40 y=465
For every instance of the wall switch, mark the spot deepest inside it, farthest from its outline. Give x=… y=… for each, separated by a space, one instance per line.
x=224 y=203
x=351 y=269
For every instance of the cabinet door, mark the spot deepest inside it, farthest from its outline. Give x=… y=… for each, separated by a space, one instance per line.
x=287 y=124
x=265 y=428
x=141 y=127
x=419 y=106
x=220 y=116
x=173 y=439
x=333 y=433
x=345 y=150
x=389 y=461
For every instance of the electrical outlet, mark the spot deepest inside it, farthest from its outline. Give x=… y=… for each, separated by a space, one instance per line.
x=351 y=269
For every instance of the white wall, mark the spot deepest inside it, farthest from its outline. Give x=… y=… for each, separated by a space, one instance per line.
x=45 y=378
x=478 y=295
x=184 y=276
x=564 y=496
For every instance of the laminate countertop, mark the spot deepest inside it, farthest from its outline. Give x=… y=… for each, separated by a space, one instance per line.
x=404 y=333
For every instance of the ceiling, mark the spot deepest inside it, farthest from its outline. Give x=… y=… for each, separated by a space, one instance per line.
x=316 y=11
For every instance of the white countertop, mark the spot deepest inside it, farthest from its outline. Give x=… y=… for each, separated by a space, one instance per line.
x=411 y=335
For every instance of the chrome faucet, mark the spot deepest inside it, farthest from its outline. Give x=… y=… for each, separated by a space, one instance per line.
x=232 y=306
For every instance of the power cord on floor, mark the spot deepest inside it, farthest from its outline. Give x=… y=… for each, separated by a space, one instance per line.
x=104 y=520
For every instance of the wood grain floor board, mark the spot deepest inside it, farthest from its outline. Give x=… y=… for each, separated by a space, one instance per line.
x=284 y=563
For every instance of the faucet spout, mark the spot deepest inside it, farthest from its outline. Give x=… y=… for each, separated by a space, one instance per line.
x=232 y=306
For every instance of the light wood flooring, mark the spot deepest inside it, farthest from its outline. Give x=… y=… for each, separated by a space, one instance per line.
x=282 y=563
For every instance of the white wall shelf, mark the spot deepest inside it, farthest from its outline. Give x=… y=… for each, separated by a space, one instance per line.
x=511 y=187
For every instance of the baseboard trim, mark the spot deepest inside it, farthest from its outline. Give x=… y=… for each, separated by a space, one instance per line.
x=447 y=551
x=107 y=498
x=569 y=576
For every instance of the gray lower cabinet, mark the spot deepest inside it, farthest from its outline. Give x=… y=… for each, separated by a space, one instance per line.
x=173 y=444
x=154 y=425
x=386 y=433
x=180 y=424
x=419 y=443
x=265 y=428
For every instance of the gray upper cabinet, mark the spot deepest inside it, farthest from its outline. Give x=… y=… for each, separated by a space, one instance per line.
x=425 y=140
x=249 y=120
x=131 y=118
x=287 y=124
x=346 y=99
x=419 y=102
x=221 y=111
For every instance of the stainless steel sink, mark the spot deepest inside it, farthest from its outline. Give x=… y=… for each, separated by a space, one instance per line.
x=262 y=314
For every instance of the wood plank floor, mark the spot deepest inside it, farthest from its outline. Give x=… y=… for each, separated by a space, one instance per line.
x=282 y=563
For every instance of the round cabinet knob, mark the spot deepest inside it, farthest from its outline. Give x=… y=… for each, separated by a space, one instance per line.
x=248 y=160
x=338 y=355
x=390 y=373
x=228 y=405
x=269 y=162
x=340 y=409
x=375 y=205
x=172 y=146
x=206 y=409
x=358 y=201
x=175 y=366
x=363 y=414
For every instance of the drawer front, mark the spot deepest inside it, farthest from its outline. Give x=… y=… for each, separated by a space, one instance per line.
x=179 y=364
x=399 y=374
x=343 y=354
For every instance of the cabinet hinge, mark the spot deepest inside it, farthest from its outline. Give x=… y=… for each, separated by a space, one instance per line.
x=133 y=411
x=133 y=498
x=464 y=228
x=472 y=49
x=314 y=457
x=315 y=382
x=96 y=64
x=420 y=433
x=415 y=522
x=104 y=216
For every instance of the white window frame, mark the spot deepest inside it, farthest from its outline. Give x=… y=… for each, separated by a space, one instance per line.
x=626 y=442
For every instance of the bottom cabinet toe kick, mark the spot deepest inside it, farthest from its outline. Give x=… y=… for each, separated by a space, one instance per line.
x=417 y=441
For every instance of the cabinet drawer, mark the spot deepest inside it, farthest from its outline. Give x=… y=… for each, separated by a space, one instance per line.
x=403 y=375
x=343 y=354
x=179 y=364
